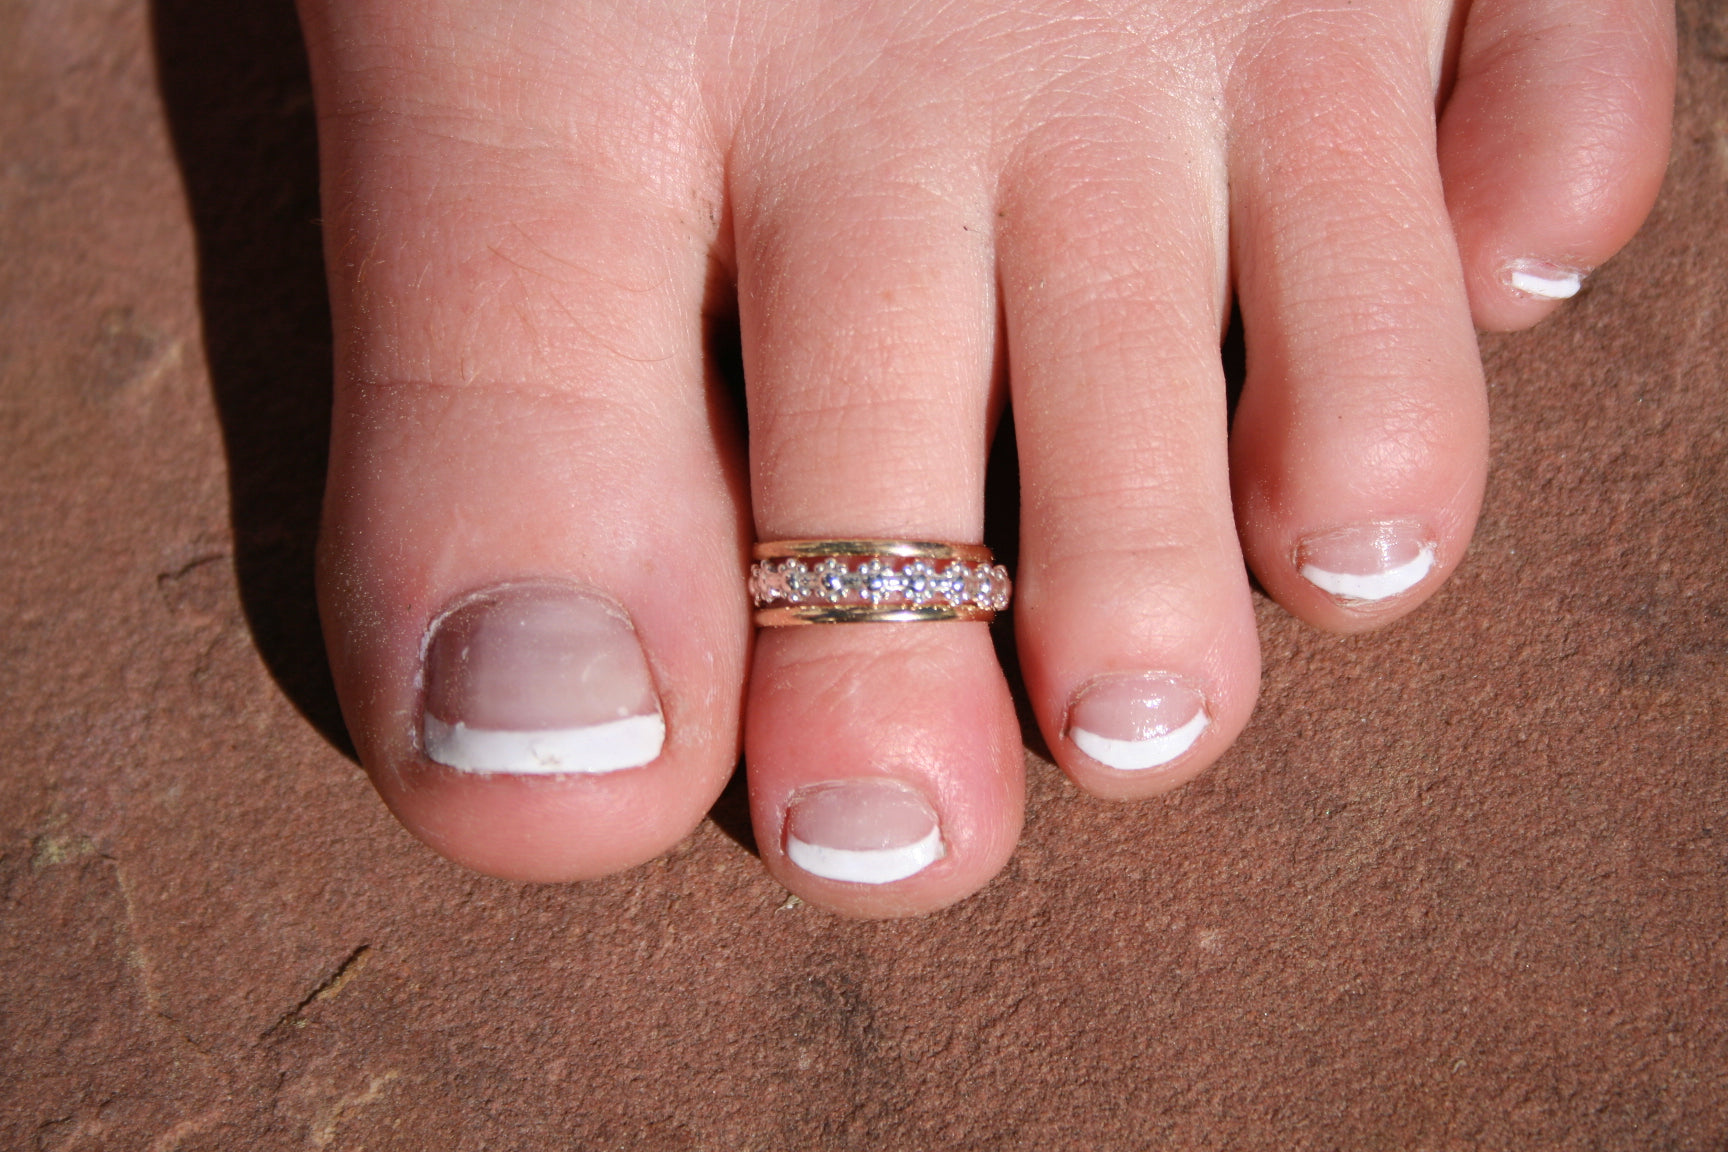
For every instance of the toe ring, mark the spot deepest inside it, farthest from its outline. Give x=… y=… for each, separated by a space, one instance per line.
x=874 y=581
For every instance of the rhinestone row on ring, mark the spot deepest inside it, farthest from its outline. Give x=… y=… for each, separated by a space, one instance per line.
x=878 y=583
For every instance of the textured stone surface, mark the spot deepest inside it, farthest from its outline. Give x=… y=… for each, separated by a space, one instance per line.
x=1461 y=885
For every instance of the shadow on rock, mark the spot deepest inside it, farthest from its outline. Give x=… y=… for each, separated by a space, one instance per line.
x=238 y=96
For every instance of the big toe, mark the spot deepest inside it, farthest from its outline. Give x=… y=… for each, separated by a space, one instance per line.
x=531 y=555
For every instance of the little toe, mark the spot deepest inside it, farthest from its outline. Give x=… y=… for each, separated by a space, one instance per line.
x=1553 y=144
x=1359 y=446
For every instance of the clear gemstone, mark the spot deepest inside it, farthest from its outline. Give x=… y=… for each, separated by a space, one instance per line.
x=869 y=574
x=973 y=585
x=765 y=584
x=919 y=581
x=881 y=584
x=801 y=585
x=831 y=578
x=951 y=585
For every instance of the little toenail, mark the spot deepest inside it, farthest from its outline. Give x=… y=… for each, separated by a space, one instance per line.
x=871 y=830
x=1544 y=279
x=1367 y=562
x=1137 y=722
x=538 y=679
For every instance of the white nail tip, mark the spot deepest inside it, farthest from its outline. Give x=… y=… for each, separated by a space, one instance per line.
x=866 y=865
x=608 y=747
x=1376 y=585
x=1139 y=755
x=1561 y=287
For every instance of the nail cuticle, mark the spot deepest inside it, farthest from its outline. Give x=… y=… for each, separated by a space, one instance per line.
x=1544 y=279
x=868 y=830
x=536 y=679
x=1367 y=563
x=1135 y=722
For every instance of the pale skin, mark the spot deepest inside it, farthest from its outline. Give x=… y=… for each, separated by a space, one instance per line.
x=922 y=211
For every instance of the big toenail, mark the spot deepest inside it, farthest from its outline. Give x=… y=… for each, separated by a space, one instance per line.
x=1136 y=722
x=1544 y=279
x=538 y=679
x=1367 y=562
x=872 y=830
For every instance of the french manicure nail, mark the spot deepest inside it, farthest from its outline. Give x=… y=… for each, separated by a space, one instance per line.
x=1367 y=562
x=871 y=830
x=1544 y=279
x=1136 y=722
x=538 y=679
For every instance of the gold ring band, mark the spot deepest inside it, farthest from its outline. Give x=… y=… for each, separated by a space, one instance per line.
x=874 y=581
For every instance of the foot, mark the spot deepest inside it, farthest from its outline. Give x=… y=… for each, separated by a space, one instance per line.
x=539 y=511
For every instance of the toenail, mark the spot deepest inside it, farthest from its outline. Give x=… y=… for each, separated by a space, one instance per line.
x=1136 y=722
x=872 y=830
x=1544 y=279
x=537 y=679
x=1367 y=562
